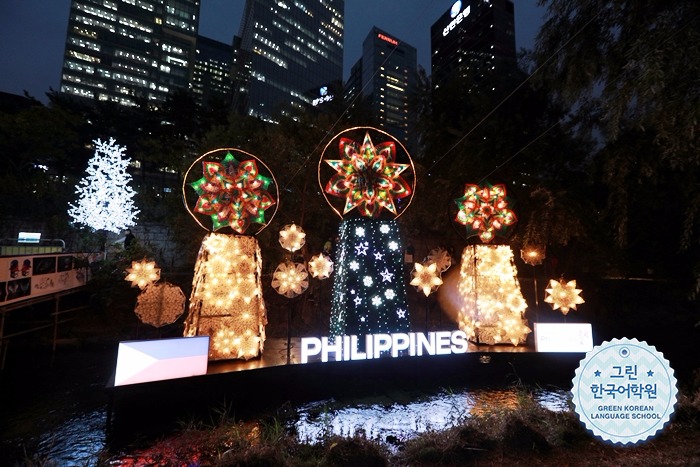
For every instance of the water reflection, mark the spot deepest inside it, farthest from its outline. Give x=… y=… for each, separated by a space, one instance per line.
x=78 y=441
x=400 y=421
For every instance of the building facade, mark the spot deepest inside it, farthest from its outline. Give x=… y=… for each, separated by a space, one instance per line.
x=287 y=49
x=211 y=78
x=382 y=81
x=129 y=51
x=474 y=36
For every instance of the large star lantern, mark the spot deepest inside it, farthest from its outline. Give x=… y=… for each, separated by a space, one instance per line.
x=367 y=177
x=484 y=211
x=320 y=266
x=563 y=295
x=233 y=193
x=290 y=279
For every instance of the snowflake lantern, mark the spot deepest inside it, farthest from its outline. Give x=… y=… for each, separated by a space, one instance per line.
x=320 y=266
x=426 y=277
x=160 y=304
x=484 y=211
x=290 y=279
x=142 y=273
x=236 y=191
x=441 y=258
x=563 y=295
x=368 y=179
x=106 y=201
x=292 y=237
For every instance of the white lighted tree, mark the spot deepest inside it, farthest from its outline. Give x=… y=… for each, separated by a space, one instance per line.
x=105 y=199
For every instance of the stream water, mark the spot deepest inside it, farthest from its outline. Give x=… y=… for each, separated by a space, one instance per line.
x=54 y=411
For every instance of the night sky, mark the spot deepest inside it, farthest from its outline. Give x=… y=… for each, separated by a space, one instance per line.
x=33 y=32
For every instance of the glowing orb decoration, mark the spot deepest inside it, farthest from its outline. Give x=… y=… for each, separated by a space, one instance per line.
x=426 y=277
x=441 y=258
x=533 y=254
x=367 y=177
x=226 y=302
x=484 y=211
x=160 y=304
x=290 y=279
x=234 y=192
x=563 y=295
x=492 y=302
x=142 y=273
x=320 y=266
x=292 y=237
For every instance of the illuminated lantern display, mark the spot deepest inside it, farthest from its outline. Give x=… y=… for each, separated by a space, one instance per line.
x=160 y=304
x=368 y=186
x=492 y=302
x=533 y=255
x=426 y=277
x=105 y=198
x=142 y=273
x=292 y=237
x=290 y=279
x=484 y=211
x=563 y=295
x=320 y=266
x=441 y=258
x=226 y=301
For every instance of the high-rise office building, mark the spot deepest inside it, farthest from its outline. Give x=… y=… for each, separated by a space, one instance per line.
x=288 y=48
x=472 y=37
x=129 y=51
x=382 y=81
x=211 y=80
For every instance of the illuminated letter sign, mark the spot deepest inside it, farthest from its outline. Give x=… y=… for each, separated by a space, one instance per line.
x=344 y=348
x=457 y=18
x=388 y=39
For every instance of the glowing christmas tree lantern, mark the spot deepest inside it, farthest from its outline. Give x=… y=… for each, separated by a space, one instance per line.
x=226 y=302
x=292 y=237
x=320 y=266
x=290 y=279
x=492 y=302
x=484 y=211
x=105 y=197
x=160 y=304
x=368 y=182
x=563 y=295
x=426 y=278
x=142 y=273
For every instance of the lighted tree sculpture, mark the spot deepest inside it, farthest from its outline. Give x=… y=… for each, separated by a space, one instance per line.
x=226 y=301
x=105 y=199
x=368 y=191
x=563 y=295
x=492 y=302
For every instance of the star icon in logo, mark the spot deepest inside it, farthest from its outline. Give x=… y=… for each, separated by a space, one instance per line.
x=597 y=373
x=650 y=373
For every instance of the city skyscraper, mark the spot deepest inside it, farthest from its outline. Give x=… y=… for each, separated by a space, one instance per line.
x=288 y=48
x=211 y=79
x=127 y=51
x=472 y=37
x=382 y=81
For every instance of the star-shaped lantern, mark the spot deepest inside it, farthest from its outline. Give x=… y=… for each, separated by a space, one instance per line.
x=563 y=295
x=142 y=273
x=292 y=237
x=533 y=254
x=320 y=266
x=484 y=211
x=290 y=279
x=367 y=177
x=426 y=278
x=441 y=258
x=233 y=193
